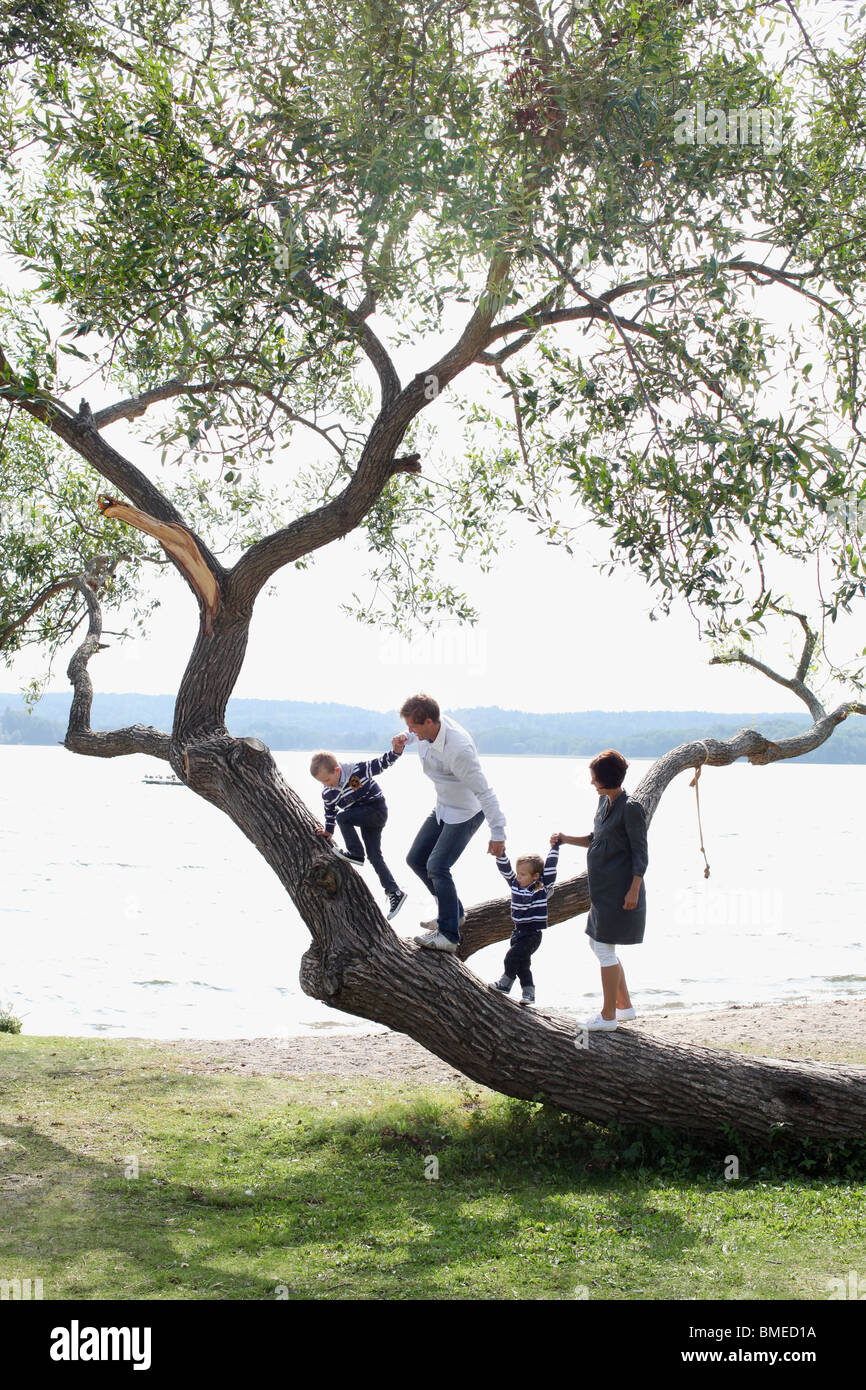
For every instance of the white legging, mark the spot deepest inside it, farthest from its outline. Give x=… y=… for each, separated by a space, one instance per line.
x=606 y=954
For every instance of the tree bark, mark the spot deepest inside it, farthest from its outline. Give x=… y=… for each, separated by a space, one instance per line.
x=358 y=964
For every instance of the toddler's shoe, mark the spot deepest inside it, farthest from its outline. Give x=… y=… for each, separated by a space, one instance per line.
x=528 y=995
x=438 y=942
x=623 y=1015
x=503 y=984
x=600 y=1025
x=395 y=902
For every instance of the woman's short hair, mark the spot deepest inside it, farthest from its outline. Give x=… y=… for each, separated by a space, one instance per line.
x=420 y=708
x=609 y=768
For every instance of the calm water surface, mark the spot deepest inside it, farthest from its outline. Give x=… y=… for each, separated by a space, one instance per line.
x=138 y=910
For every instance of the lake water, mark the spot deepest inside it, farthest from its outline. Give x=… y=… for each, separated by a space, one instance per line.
x=135 y=910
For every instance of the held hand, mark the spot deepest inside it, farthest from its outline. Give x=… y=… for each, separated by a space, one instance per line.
x=557 y=838
x=496 y=847
x=398 y=742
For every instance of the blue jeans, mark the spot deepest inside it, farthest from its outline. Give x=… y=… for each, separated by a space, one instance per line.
x=437 y=846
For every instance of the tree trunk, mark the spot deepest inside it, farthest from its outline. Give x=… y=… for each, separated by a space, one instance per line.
x=358 y=964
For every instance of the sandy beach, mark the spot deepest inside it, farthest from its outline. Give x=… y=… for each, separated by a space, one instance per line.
x=834 y=1031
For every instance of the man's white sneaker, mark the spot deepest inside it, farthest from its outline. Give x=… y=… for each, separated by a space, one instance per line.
x=438 y=942
x=600 y=1025
x=432 y=929
x=623 y=1015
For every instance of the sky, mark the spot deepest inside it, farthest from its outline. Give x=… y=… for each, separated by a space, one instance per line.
x=553 y=634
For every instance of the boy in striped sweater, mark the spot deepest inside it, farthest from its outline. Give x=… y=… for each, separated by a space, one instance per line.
x=354 y=801
x=531 y=881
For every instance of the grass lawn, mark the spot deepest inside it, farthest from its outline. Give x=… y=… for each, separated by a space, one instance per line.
x=124 y=1174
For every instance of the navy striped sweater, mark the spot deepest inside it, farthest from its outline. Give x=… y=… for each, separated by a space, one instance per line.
x=356 y=788
x=529 y=905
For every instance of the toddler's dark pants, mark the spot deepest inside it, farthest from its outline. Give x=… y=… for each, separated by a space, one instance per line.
x=523 y=945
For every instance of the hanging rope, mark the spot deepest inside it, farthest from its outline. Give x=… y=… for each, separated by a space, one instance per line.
x=694 y=783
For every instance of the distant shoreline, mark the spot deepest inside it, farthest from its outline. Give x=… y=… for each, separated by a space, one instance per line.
x=587 y=753
x=290 y=726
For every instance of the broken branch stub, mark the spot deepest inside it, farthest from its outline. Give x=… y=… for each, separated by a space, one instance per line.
x=179 y=543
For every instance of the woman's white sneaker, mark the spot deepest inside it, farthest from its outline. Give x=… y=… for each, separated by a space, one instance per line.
x=600 y=1025
x=623 y=1015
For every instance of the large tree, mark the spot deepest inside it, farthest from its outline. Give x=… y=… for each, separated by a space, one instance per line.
x=282 y=235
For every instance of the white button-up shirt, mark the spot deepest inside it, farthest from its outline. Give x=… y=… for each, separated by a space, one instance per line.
x=462 y=790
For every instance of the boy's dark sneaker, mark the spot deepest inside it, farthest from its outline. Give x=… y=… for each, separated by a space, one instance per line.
x=352 y=858
x=396 y=901
x=504 y=984
x=528 y=995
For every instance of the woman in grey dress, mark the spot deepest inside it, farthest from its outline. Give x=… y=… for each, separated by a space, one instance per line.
x=615 y=864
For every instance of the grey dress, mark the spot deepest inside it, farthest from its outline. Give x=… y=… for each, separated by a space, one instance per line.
x=617 y=852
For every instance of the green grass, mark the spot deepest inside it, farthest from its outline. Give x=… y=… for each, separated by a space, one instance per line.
x=259 y=1187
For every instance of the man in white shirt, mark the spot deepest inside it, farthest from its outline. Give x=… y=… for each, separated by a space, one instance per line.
x=463 y=799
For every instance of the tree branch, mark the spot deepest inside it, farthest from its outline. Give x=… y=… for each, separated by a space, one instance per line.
x=371 y=344
x=795 y=683
x=491 y=921
x=592 y=299
x=134 y=406
x=409 y=463
x=518 y=419
x=80 y=434
x=385 y=262
x=532 y=319
x=495 y=359
x=808 y=645
x=376 y=464
x=476 y=334
x=179 y=543
x=80 y=738
x=39 y=602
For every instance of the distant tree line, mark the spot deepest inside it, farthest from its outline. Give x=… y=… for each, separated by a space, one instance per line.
x=293 y=724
